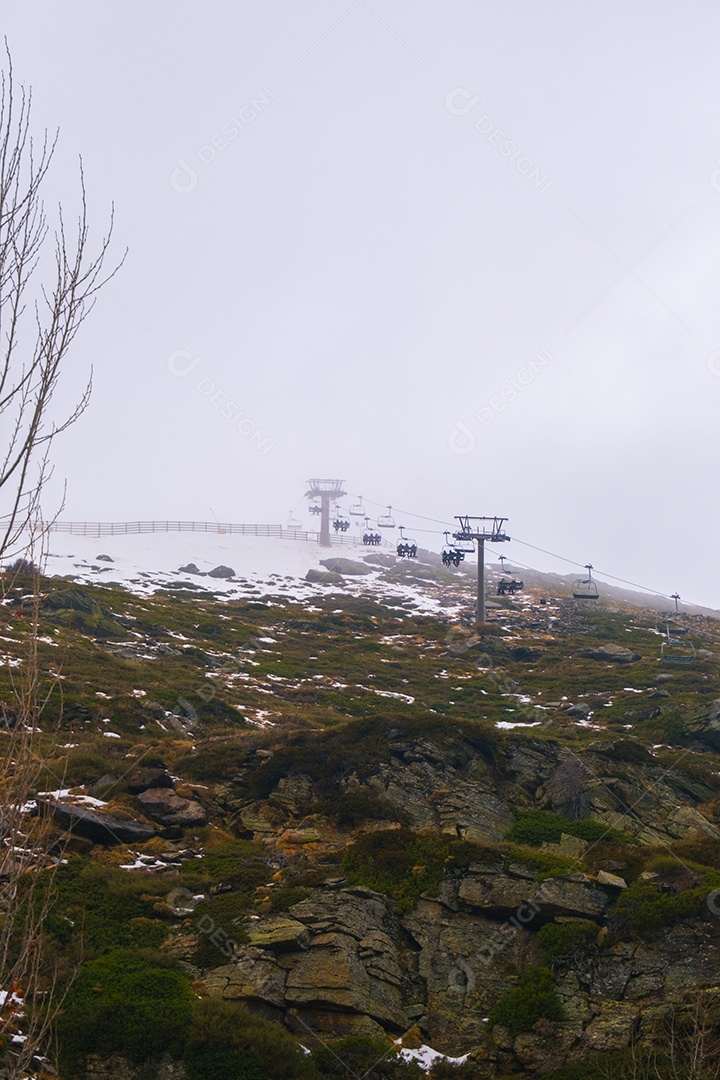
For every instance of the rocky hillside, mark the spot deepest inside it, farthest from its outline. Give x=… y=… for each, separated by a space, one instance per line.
x=331 y=822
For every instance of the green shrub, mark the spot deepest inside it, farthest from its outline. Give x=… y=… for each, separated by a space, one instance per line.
x=646 y=910
x=546 y=863
x=284 y=897
x=98 y=908
x=404 y=864
x=357 y=805
x=560 y=940
x=124 y=1003
x=232 y=862
x=536 y=827
x=227 y=1035
x=361 y=1056
x=218 y=761
x=219 y=1063
x=533 y=999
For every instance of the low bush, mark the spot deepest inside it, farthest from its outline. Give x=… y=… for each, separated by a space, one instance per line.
x=563 y=940
x=404 y=864
x=227 y=1042
x=98 y=908
x=645 y=910
x=361 y=1056
x=533 y=999
x=536 y=827
x=357 y=805
x=124 y=1003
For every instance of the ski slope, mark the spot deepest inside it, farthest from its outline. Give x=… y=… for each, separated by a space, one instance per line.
x=264 y=567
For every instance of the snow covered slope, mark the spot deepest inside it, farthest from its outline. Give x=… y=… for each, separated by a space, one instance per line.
x=263 y=567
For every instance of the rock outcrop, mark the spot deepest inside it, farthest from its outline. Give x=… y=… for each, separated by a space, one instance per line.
x=100 y=828
x=168 y=808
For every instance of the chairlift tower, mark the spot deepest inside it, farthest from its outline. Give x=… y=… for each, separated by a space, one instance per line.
x=327 y=491
x=481 y=529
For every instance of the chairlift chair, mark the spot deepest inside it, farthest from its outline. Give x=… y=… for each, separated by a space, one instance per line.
x=315 y=508
x=510 y=586
x=357 y=509
x=585 y=588
x=341 y=523
x=451 y=555
x=293 y=523
x=386 y=521
x=406 y=548
x=676 y=653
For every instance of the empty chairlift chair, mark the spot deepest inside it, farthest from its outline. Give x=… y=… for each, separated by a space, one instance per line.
x=293 y=523
x=585 y=588
x=357 y=509
x=677 y=653
x=386 y=521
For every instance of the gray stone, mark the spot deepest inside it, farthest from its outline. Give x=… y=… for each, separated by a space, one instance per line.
x=142 y=779
x=614 y=654
x=168 y=808
x=101 y=828
x=611 y=880
x=222 y=572
x=346 y=566
x=324 y=577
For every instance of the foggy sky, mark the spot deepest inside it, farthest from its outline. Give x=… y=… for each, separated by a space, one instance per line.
x=464 y=256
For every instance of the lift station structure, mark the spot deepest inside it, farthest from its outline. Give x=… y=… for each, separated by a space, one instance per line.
x=326 y=491
x=480 y=529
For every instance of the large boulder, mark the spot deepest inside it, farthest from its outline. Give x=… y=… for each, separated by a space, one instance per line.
x=167 y=808
x=101 y=828
x=614 y=654
x=704 y=723
x=224 y=572
x=142 y=779
x=324 y=577
x=346 y=566
x=515 y=892
x=334 y=959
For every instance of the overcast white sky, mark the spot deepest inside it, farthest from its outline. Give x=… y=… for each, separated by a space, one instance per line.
x=359 y=221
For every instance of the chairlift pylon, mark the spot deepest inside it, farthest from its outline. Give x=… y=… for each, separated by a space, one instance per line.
x=585 y=588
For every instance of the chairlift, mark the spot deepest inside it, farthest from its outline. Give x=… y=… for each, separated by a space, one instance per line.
x=676 y=653
x=585 y=588
x=406 y=548
x=293 y=523
x=315 y=508
x=509 y=586
x=451 y=555
x=386 y=521
x=357 y=509
x=341 y=523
